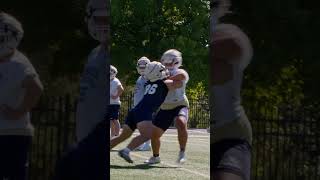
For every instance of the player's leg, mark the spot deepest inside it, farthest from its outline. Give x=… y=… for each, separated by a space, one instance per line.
x=145 y=128
x=116 y=127
x=112 y=128
x=146 y=146
x=161 y=123
x=155 y=140
x=116 y=120
x=155 y=144
x=181 y=124
x=125 y=134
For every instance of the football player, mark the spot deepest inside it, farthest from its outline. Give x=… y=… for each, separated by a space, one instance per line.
x=116 y=90
x=20 y=90
x=174 y=109
x=230 y=53
x=89 y=158
x=139 y=91
x=140 y=116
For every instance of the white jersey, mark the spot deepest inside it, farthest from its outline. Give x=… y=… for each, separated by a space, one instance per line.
x=233 y=31
x=93 y=98
x=114 y=84
x=12 y=74
x=179 y=94
x=139 y=90
x=226 y=97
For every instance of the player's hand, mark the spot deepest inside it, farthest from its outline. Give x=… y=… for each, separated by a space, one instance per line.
x=114 y=97
x=11 y=113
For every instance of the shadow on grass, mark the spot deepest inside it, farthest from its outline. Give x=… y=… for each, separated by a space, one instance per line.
x=140 y=166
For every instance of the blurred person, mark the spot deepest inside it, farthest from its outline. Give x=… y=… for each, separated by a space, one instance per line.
x=20 y=90
x=231 y=137
x=116 y=90
x=139 y=92
x=175 y=108
x=88 y=158
x=140 y=117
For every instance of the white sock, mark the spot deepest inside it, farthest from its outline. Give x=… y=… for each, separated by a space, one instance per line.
x=148 y=142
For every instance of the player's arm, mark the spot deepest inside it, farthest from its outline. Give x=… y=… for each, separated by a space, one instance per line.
x=178 y=77
x=119 y=90
x=33 y=91
x=173 y=84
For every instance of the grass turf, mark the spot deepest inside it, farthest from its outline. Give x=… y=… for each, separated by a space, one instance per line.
x=196 y=167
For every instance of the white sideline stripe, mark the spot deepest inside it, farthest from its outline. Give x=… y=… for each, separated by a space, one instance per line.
x=194 y=136
x=174 y=135
x=181 y=168
x=198 y=131
x=204 y=143
x=191 y=139
x=191 y=143
x=199 y=142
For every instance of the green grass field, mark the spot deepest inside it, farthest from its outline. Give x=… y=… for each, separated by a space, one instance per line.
x=196 y=167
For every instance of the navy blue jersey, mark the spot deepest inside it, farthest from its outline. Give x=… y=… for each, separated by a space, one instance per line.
x=154 y=95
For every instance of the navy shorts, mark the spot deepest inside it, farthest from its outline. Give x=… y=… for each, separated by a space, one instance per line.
x=135 y=116
x=232 y=156
x=165 y=118
x=88 y=159
x=14 y=156
x=114 y=111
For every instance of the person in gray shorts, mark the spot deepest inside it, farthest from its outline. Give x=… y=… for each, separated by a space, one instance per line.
x=231 y=139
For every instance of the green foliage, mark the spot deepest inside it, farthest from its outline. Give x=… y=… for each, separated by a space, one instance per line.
x=281 y=87
x=149 y=27
x=57 y=42
x=278 y=32
x=197 y=92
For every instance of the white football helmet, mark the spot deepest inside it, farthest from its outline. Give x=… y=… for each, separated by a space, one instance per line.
x=11 y=33
x=98 y=13
x=155 y=71
x=172 y=59
x=113 y=72
x=142 y=64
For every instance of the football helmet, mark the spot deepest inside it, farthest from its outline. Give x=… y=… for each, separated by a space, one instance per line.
x=11 y=33
x=113 y=72
x=155 y=71
x=97 y=18
x=142 y=64
x=172 y=59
